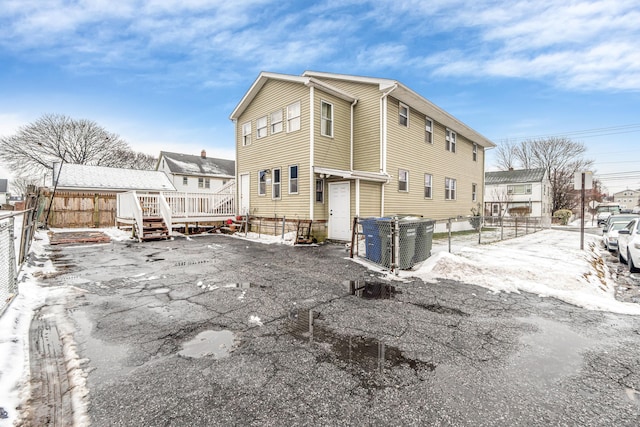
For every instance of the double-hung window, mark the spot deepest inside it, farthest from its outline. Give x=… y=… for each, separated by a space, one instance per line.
x=246 y=133
x=276 y=183
x=293 y=117
x=293 y=179
x=262 y=182
x=276 y=122
x=403 y=180
x=319 y=190
x=474 y=192
x=207 y=183
x=185 y=180
x=449 y=189
x=326 y=124
x=428 y=130
x=403 y=115
x=261 y=127
x=200 y=182
x=475 y=152
x=428 y=185
x=450 y=138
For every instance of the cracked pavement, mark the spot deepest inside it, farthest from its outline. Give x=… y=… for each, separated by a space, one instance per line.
x=447 y=353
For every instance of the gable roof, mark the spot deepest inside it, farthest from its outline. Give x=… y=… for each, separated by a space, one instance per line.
x=514 y=176
x=414 y=100
x=187 y=164
x=264 y=77
x=85 y=177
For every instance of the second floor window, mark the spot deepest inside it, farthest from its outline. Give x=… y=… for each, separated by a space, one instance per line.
x=261 y=127
x=450 y=139
x=403 y=115
x=200 y=182
x=185 y=180
x=276 y=122
x=449 y=189
x=428 y=130
x=326 y=125
x=519 y=189
x=475 y=152
x=293 y=117
x=403 y=180
x=246 y=133
x=428 y=185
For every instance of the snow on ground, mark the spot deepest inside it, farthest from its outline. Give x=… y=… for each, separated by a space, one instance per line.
x=548 y=263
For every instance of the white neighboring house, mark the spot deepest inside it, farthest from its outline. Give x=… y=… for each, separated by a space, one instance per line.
x=518 y=192
x=4 y=197
x=627 y=199
x=196 y=174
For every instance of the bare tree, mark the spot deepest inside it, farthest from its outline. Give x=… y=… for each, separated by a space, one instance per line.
x=20 y=185
x=561 y=158
x=53 y=137
x=506 y=155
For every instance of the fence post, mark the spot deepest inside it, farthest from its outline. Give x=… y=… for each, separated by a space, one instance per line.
x=395 y=242
x=283 y=224
x=480 y=220
x=449 y=233
x=501 y=229
x=516 y=226
x=526 y=226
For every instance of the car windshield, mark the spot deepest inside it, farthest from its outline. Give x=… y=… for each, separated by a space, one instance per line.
x=618 y=225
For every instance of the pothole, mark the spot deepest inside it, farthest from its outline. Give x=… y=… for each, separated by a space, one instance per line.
x=217 y=344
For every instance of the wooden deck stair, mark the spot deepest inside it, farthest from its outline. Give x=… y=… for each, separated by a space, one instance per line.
x=154 y=228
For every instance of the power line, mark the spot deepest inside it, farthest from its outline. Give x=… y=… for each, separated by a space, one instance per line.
x=587 y=133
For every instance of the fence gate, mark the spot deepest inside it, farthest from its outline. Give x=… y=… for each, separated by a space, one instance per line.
x=8 y=274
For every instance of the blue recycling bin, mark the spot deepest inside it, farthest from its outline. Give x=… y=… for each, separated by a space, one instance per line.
x=372 y=239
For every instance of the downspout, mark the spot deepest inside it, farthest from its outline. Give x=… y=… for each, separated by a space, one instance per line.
x=383 y=140
x=235 y=140
x=353 y=104
x=311 y=151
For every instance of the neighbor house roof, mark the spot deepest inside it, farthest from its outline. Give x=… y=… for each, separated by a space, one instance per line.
x=187 y=164
x=85 y=177
x=514 y=176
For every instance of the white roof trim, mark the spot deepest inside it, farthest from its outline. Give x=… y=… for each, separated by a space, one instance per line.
x=364 y=175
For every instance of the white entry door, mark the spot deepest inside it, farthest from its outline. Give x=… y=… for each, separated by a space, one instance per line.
x=244 y=194
x=339 y=211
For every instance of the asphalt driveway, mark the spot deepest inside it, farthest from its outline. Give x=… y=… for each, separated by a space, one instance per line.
x=221 y=331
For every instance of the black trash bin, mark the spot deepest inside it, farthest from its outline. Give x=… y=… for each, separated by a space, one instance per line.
x=408 y=228
x=372 y=239
x=384 y=232
x=424 y=240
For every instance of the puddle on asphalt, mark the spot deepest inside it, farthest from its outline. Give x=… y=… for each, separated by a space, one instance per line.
x=372 y=290
x=367 y=354
x=209 y=343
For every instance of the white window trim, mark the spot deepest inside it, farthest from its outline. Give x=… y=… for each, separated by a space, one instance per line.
x=450 y=188
x=246 y=133
x=274 y=184
x=297 y=179
x=263 y=128
x=275 y=122
x=474 y=192
x=185 y=180
x=315 y=194
x=430 y=186
x=428 y=130
x=475 y=152
x=400 y=116
x=323 y=119
x=406 y=181
x=290 y=119
x=451 y=140
x=260 y=173
x=200 y=182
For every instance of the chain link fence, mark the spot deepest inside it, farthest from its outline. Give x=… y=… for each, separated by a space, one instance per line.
x=8 y=265
x=399 y=243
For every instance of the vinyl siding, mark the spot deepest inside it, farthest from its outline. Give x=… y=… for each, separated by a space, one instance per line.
x=367 y=123
x=408 y=150
x=278 y=150
x=333 y=152
x=370 y=195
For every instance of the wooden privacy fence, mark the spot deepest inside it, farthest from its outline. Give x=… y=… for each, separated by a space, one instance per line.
x=75 y=209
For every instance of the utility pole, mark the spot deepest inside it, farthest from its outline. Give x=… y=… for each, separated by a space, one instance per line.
x=582 y=181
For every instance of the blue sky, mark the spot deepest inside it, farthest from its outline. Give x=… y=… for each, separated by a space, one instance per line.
x=166 y=74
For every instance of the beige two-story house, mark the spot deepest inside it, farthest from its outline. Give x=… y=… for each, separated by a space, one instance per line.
x=329 y=147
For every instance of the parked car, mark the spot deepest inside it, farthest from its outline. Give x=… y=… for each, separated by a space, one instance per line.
x=610 y=234
x=619 y=218
x=629 y=245
x=604 y=210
